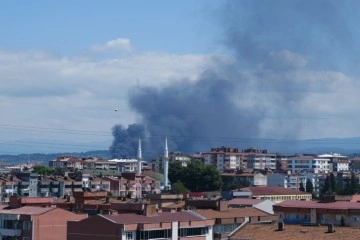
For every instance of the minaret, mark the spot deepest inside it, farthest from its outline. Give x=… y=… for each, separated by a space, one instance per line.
x=139 y=158
x=166 y=165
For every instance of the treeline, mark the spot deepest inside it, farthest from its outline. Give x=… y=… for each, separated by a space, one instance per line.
x=45 y=158
x=332 y=186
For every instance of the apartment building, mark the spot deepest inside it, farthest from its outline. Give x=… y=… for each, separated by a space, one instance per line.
x=293 y=180
x=245 y=178
x=275 y=194
x=152 y=224
x=35 y=223
x=227 y=221
x=261 y=161
x=337 y=163
x=308 y=163
x=157 y=164
x=342 y=208
x=224 y=159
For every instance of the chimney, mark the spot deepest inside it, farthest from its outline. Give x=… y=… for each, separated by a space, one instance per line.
x=150 y=210
x=281 y=226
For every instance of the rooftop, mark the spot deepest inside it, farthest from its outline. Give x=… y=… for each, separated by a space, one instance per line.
x=342 y=205
x=272 y=191
x=294 y=232
x=130 y=218
x=27 y=210
x=231 y=213
x=245 y=201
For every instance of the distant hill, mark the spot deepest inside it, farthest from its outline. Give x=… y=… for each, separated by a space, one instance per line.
x=344 y=146
x=45 y=158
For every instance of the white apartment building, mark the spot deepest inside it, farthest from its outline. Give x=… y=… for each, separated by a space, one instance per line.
x=293 y=180
x=312 y=164
x=338 y=162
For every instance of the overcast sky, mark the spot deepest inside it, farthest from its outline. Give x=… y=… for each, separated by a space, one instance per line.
x=65 y=66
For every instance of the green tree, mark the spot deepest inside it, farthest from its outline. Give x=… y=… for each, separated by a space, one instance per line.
x=301 y=188
x=176 y=172
x=196 y=176
x=42 y=170
x=178 y=188
x=309 y=186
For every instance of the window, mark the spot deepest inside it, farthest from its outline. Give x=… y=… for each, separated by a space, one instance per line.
x=153 y=234
x=129 y=235
x=184 y=232
x=356 y=219
x=27 y=225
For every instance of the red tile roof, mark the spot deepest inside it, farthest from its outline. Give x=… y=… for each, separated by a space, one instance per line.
x=294 y=232
x=272 y=191
x=245 y=201
x=27 y=210
x=342 y=205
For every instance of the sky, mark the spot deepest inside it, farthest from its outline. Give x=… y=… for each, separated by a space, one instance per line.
x=291 y=69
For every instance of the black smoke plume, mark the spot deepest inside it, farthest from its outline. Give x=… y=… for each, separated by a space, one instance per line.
x=276 y=46
x=126 y=140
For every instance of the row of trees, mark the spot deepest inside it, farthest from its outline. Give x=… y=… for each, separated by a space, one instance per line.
x=309 y=187
x=331 y=186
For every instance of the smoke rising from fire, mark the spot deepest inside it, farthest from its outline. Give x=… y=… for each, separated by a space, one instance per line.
x=283 y=56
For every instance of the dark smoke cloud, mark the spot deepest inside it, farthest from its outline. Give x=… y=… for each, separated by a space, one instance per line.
x=274 y=43
x=125 y=143
x=319 y=29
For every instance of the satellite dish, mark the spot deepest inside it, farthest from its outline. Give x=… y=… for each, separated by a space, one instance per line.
x=115 y=109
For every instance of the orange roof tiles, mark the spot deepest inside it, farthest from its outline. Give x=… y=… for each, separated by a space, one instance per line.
x=272 y=191
x=294 y=232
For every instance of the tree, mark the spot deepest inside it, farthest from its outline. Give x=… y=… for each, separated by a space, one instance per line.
x=309 y=186
x=301 y=188
x=178 y=188
x=196 y=176
x=42 y=170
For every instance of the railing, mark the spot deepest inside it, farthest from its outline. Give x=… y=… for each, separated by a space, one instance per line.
x=10 y=232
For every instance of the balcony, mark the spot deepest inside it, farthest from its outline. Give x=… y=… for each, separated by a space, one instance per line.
x=10 y=232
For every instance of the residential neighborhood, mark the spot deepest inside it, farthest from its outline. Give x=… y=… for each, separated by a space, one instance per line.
x=128 y=199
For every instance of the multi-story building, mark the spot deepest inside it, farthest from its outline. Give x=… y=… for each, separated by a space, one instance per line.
x=342 y=208
x=261 y=161
x=35 y=223
x=337 y=163
x=157 y=165
x=224 y=159
x=66 y=162
x=151 y=225
x=293 y=180
x=245 y=179
x=308 y=163
x=228 y=220
x=275 y=194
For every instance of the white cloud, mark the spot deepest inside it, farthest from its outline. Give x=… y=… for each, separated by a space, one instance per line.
x=120 y=44
x=41 y=90
x=287 y=58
